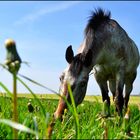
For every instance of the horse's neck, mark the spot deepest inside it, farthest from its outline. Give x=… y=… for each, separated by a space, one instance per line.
x=84 y=48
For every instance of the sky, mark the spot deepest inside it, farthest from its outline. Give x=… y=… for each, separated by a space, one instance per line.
x=43 y=30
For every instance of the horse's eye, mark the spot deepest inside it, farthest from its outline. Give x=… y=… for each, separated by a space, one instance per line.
x=61 y=78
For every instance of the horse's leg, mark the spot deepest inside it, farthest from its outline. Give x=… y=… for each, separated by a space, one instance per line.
x=104 y=91
x=119 y=100
x=128 y=87
x=112 y=86
x=105 y=98
x=102 y=82
x=101 y=79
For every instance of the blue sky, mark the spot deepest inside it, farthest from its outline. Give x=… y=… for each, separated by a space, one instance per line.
x=43 y=30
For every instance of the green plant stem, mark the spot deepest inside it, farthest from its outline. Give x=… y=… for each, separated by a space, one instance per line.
x=74 y=112
x=15 y=113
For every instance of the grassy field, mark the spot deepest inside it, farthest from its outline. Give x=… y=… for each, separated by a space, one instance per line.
x=91 y=124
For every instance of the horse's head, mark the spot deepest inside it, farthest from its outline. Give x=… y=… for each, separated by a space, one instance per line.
x=76 y=75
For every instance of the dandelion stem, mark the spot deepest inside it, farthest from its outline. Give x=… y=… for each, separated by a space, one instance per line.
x=15 y=113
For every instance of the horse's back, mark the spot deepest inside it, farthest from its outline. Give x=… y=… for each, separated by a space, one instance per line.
x=117 y=48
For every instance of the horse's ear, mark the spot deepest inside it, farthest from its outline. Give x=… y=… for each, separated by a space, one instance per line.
x=88 y=58
x=69 y=54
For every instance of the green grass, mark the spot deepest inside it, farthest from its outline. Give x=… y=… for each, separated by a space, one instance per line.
x=91 y=125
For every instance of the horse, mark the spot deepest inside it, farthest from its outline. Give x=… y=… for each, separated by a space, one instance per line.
x=110 y=53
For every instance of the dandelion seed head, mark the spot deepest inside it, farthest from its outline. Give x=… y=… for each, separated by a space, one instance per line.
x=9 y=43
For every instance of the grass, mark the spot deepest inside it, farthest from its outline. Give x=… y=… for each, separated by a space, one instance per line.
x=91 y=125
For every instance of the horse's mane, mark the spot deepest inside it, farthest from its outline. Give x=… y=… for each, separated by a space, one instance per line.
x=96 y=19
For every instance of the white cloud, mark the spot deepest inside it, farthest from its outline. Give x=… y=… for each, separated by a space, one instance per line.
x=31 y=17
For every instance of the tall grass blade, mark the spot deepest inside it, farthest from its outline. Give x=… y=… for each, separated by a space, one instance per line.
x=35 y=97
x=18 y=126
x=33 y=81
x=6 y=89
x=74 y=112
x=45 y=87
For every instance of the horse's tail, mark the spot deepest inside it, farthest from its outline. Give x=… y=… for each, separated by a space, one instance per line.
x=96 y=19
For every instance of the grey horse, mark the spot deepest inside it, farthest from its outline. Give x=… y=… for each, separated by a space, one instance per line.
x=110 y=53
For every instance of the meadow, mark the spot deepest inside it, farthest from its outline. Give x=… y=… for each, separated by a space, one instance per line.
x=91 y=124
x=30 y=116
